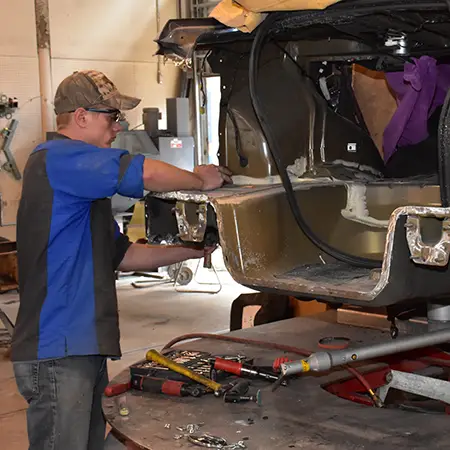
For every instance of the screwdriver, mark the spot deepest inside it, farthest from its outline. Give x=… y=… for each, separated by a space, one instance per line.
x=168 y=387
x=242 y=370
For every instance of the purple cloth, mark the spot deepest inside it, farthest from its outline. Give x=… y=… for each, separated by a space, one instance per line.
x=420 y=89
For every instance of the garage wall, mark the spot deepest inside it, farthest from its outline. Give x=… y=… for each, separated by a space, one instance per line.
x=116 y=37
x=18 y=78
x=113 y=36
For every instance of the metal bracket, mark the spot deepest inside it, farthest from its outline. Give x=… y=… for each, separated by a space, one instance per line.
x=7 y=106
x=430 y=255
x=8 y=134
x=416 y=384
x=187 y=231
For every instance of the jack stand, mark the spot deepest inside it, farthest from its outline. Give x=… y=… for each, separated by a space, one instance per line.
x=8 y=325
x=191 y=291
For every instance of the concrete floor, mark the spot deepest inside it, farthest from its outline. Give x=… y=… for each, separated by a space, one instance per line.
x=149 y=318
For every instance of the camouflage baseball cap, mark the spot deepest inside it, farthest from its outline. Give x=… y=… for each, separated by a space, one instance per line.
x=89 y=88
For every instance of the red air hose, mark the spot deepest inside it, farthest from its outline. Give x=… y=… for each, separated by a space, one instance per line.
x=271 y=346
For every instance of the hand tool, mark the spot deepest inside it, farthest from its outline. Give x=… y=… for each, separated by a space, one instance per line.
x=117 y=389
x=242 y=370
x=238 y=393
x=168 y=387
x=153 y=355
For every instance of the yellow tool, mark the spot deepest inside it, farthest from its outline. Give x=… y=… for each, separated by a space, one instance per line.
x=153 y=355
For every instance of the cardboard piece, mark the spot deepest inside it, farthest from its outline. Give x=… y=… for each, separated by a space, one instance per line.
x=246 y=15
x=284 y=5
x=233 y=15
x=375 y=100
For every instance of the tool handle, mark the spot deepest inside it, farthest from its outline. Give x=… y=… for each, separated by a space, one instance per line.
x=158 y=386
x=170 y=387
x=153 y=355
x=228 y=366
x=240 y=388
x=117 y=389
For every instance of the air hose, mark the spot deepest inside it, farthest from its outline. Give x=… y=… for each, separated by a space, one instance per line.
x=270 y=346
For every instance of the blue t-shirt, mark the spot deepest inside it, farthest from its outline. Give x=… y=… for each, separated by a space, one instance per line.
x=69 y=247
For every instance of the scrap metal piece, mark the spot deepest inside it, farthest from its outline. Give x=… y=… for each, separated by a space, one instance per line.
x=416 y=384
x=190 y=428
x=192 y=232
x=208 y=441
x=430 y=255
x=237 y=446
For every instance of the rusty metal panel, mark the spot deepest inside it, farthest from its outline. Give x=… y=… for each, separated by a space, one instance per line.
x=264 y=248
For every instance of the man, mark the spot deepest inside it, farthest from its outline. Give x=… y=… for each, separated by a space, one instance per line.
x=68 y=249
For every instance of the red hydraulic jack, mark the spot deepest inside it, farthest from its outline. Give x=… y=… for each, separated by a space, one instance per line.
x=416 y=361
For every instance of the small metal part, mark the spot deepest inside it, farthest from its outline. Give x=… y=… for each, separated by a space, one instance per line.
x=124 y=411
x=394 y=330
x=237 y=446
x=208 y=441
x=167 y=425
x=191 y=232
x=429 y=255
x=190 y=428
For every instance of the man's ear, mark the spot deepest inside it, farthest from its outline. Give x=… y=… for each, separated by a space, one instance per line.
x=80 y=116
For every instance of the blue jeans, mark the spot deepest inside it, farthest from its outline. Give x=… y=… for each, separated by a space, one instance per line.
x=64 y=397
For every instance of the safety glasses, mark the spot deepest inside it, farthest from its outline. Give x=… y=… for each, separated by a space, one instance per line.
x=114 y=114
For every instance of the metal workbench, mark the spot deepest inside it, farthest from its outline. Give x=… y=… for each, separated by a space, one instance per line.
x=301 y=415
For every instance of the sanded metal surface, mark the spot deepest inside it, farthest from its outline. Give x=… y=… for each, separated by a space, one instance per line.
x=301 y=415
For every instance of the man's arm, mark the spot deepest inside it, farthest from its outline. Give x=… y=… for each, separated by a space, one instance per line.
x=141 y=257
x=162 y=177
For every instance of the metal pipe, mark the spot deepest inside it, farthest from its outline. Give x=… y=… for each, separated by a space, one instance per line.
x=159 y=79
x=198 y=156
x=439 y=312
x=183 y=9
x=45 y=65
x=438 y=316
x=323 y=361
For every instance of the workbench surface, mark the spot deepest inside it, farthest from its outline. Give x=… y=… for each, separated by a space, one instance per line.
x=301 y=415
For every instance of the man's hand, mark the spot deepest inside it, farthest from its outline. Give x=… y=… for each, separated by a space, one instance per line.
x=213 y=176
x=149 y=257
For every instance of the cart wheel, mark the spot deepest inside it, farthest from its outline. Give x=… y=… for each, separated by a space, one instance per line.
x=172 y=270
x=185 y=276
